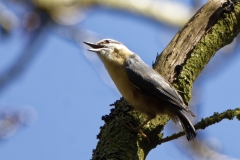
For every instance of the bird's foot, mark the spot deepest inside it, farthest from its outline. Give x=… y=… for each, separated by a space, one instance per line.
x=130 y=127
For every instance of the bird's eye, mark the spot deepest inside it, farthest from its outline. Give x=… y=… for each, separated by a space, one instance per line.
x=106 y=41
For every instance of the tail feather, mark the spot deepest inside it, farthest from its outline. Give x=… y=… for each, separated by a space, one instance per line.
x=187 y=125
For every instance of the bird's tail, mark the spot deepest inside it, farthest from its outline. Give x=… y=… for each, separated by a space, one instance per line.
x=187 y=125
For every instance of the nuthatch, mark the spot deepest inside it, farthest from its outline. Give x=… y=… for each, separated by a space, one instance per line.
x=145 y=89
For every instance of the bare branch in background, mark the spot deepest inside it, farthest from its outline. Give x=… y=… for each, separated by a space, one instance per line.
x=29 y=51
x=172 y=13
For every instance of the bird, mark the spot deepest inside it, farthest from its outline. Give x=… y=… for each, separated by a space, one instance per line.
x=141 y=86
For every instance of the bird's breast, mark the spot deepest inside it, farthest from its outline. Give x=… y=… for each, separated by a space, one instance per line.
x=140 y=100
x=119 y=77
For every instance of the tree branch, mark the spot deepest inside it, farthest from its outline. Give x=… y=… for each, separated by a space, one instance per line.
x=194 y=45
x=210 y=29
x=157 y=10
x=206 y=122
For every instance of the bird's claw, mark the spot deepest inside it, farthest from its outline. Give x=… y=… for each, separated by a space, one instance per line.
x=130 y=127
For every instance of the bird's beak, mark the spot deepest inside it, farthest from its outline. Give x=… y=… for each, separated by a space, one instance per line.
x=95 y=47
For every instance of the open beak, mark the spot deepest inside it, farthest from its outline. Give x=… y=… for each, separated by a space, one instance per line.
x=95 y=47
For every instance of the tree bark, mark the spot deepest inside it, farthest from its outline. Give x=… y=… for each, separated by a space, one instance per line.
x=211 y=28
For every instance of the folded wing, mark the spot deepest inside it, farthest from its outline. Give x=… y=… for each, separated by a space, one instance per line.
x=151 y=82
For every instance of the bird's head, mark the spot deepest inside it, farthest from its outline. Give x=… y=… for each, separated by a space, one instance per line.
x=110 y=50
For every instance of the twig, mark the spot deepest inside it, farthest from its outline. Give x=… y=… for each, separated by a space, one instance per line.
x=206 y=122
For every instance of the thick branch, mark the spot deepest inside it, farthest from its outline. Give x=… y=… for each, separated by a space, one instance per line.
x=210 y=29
x=193 y=46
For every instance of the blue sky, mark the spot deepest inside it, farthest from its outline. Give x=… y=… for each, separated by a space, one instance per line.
x=67 y=94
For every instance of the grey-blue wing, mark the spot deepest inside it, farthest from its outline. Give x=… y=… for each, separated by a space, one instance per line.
x=151 y=82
